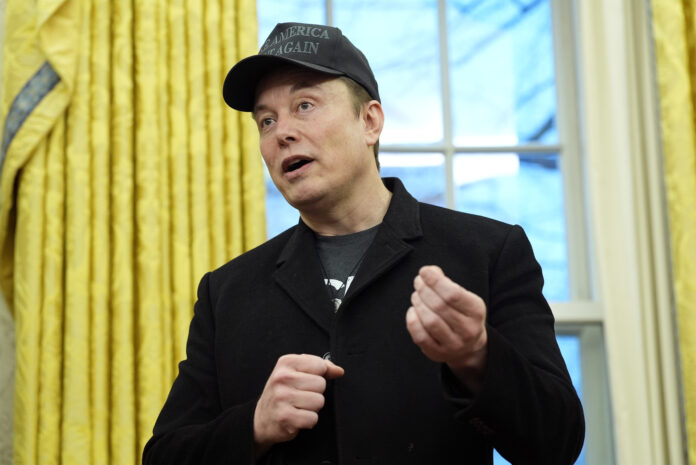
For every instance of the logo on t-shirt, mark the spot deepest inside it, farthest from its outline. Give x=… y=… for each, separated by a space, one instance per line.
x=337 y=290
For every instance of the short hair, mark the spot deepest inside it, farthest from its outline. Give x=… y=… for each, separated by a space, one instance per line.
x=359 y=96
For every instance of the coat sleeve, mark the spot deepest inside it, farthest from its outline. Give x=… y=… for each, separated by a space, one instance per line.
x=192 y=427
x=528 y=409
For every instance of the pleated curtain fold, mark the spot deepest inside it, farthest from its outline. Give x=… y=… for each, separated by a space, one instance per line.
x=674 y=29
x=124 y=179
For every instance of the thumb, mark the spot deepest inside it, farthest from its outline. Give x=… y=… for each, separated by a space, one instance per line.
x=333 y=371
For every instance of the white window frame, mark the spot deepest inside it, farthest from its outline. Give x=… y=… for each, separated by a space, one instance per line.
x=617 y=240
x=624 y=182
x=620 y=304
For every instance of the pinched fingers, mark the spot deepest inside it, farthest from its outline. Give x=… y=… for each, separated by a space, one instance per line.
x=445 y=320
x=441 y=325
x=444 y=296
x=419 y=334
x=437 y=312
x=437 y=341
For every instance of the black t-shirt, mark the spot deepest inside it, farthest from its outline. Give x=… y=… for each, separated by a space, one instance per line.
x=340 y=258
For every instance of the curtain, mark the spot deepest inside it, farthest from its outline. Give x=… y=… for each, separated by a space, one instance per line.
x=674 y=28
x=124 y=179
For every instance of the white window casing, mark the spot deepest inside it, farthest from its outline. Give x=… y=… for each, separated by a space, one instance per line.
x=627 y=215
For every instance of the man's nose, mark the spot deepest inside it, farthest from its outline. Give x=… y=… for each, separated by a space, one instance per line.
x=286 y=131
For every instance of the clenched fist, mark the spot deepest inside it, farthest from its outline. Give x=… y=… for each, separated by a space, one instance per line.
x=291 y=399
x=448 y=323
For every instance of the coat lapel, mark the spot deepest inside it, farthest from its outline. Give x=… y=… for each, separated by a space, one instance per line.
x=299 y=273
x=401 y=223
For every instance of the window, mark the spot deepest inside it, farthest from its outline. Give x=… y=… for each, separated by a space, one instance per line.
x=479 y=98
x=469 y=92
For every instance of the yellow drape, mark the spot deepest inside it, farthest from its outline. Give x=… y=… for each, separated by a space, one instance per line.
x=674 y=27
x=124 y=178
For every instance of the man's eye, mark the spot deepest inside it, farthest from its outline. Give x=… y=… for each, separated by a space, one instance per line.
x=305 y=106
x=265 y=122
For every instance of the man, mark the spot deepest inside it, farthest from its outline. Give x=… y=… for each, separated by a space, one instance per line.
x=377 y=330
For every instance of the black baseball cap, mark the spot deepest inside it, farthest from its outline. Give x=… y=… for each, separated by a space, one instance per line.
x=312 y=46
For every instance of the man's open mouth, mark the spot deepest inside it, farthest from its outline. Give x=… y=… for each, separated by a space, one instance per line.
x=295 y=164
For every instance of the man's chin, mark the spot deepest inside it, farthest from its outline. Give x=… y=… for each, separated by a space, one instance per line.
x=306 y=202
x=300 y=198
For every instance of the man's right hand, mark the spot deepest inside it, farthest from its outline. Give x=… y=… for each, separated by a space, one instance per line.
x=291 y=399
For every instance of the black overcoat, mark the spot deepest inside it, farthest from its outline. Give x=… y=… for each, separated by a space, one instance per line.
x=393 y=405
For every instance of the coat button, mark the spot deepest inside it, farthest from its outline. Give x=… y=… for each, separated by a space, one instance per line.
x=327 y=356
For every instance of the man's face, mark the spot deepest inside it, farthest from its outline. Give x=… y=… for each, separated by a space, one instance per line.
x=315 y=147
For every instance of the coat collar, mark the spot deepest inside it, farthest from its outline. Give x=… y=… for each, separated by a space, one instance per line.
x=298 y=270
x=403 y=214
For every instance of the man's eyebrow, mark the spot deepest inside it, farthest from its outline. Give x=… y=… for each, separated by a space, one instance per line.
x=257 y=108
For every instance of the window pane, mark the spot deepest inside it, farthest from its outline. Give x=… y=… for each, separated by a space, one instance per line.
x=272 y=12
x=502 y=76
x=405 y=59
x=524 y=189
x=423 y=174
x=570 y=349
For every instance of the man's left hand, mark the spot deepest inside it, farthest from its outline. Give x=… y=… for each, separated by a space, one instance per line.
x=448 y=323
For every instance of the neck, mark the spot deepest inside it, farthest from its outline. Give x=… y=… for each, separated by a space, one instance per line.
x=363 y=212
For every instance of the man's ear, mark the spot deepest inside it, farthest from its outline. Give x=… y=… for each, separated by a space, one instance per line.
x=373 y=119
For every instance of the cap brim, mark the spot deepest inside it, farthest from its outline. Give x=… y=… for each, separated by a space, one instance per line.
x=239 y=88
